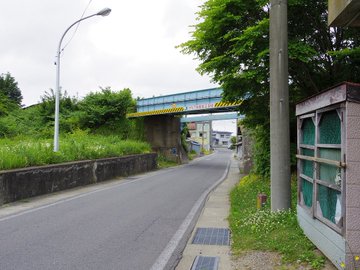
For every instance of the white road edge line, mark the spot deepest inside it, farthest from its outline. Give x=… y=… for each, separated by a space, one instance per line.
x=166 y=254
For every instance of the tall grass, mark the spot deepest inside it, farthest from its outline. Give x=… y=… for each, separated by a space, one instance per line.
x=25 y=152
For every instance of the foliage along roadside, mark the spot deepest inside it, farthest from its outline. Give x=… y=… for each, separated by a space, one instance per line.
x=264 y=230
x=163 y=162
x=23 y=152
x=10 y=94
x=231 y=42
x=102 y=112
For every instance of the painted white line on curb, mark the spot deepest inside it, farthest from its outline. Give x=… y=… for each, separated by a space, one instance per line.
x=166 y=254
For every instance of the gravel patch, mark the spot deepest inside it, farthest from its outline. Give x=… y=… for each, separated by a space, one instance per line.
x=263 y=260
x=254 y=260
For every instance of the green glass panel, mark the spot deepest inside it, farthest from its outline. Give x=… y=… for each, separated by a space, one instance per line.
x=327 y=198
x=328 y=172
x=307 y=192
x=308 y=132
x=333 y=154
x=307 y=165
x=330 y=128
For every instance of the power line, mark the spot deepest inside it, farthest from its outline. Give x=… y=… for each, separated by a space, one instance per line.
x=77 y=26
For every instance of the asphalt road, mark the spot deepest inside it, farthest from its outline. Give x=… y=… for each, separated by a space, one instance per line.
x=126 y=226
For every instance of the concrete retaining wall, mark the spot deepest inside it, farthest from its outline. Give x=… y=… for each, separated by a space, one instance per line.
x=28 y=182
x=162 y=132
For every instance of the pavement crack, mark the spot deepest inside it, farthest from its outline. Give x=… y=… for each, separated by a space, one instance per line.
x=146 y=229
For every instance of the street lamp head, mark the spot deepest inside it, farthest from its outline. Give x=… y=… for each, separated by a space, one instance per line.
x=104 y=12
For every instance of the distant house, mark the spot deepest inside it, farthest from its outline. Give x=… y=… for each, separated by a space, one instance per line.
x=200 y=132
x=221 y=138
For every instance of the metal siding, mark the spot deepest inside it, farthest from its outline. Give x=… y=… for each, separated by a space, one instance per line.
x=328 y=241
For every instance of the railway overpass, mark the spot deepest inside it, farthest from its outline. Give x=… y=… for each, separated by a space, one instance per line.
x=194 y=102
x=163 y=116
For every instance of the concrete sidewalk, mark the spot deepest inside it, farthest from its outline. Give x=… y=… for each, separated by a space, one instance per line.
x=214 y=215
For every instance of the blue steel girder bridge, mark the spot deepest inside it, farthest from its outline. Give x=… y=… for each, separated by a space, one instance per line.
x=194 y=102
x=162 y=124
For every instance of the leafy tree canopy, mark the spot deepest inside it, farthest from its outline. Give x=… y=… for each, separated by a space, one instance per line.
x=47 y=105
x=102 y=112
x=6 y=105
x=68 y=108
x=9 y=89
x=105 y=107
x=231 y=41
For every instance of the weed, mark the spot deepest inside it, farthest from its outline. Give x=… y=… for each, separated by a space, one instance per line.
x=192 y=154
x=163 y=162
x=354 y=262
x=254 y=229
x=24 y=152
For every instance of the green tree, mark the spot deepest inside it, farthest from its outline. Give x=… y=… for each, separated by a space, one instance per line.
x=9 y=88
x=6 y=105
x=106 y=108
x=23 y=122
x=68 y=110
x=233 y=140
x=231 y=41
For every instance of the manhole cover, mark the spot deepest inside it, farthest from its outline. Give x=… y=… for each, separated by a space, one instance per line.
x=205 y=263
x=212 y=236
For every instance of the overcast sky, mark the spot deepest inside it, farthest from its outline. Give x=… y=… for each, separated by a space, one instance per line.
x=133 y=47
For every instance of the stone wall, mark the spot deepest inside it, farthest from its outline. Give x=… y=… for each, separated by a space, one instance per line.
x=245 y=157
x=28 y=182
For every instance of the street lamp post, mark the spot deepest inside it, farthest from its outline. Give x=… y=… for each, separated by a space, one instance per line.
x=103 y=12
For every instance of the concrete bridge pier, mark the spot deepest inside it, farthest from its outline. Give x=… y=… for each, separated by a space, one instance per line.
x=163 y=132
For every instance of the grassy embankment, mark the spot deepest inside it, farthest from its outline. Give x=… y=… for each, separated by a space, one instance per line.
x=254 y=229
x=25 y=152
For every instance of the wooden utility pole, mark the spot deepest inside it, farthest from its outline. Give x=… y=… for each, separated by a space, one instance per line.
x=279 y=107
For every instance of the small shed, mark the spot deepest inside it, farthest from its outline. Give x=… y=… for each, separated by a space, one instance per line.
x=328 y=152
x=194 y=145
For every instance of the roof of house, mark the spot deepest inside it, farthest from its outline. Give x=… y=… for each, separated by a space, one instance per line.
x=221 y=132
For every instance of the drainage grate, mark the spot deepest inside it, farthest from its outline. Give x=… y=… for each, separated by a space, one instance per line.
x=212 y=236
x=205 y=263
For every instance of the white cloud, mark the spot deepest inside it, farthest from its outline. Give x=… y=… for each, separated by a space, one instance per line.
x=225 y=125
x=132 y=47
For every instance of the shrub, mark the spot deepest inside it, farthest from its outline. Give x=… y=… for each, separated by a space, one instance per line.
x=261 y=151
x=105 y=108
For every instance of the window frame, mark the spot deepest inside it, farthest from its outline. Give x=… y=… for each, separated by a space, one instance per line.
x=317 y=161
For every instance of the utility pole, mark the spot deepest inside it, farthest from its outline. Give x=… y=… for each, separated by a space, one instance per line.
x=202 y=137
x=279 y=107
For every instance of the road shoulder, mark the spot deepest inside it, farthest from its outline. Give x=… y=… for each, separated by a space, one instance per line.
x=214 y=215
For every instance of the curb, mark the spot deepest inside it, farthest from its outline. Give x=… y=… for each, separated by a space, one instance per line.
x=167 y=258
